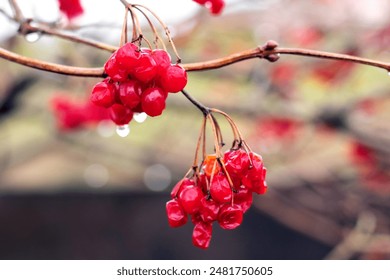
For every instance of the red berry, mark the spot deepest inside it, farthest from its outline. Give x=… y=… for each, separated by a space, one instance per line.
x=189 y=198
x=176 y=215
x=153 y=101
x=230 y=216
x=127 y=56
x=146 y=69
x=162 y=59
x=209 y=210
x=243 y=198
x=180 y=185
x=174 y=79
x=103 y=94
x=130 y=93
x=195 y=218
x=217 y=7
x=254 y=179
x=120 y=114
x=201 y=235
x=114 y=69
x=220 y=189
x=236 y=161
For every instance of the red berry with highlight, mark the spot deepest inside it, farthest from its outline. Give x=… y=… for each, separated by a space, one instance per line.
x=153 y=101
x=146 y=69
x=130 y=93
x=220 y=189
x=174 y=78
x=189 y=198
x=103 y=94
x=120 y=114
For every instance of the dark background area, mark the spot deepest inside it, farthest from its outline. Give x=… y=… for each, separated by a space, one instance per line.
x=132 y=226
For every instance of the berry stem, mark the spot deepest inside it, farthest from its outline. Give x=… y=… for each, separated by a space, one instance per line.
x=164 y=26
x=201 y=138
x=124 y=29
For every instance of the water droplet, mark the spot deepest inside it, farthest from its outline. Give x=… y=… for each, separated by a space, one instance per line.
x=123 y=130
x=106 y=128
x=140 y=117
x=33 y=37
x=388 y=73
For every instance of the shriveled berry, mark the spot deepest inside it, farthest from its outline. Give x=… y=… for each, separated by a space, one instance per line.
x=209 y=210
x=103 y=94
x=243 y=198
x=174 y=79
x=189 y=198
x=153 y=101
x=175 y=213
x=210 y=163
x=130 y=93
x=201 y=235
x=120 y=114
x=183 y=183
x=220 y=189
x=236 y=161
x=146 y=69
x=230 y=216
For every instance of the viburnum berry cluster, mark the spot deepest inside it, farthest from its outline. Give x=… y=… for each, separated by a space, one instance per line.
x=219 y=190
x=215 y=6
x=139 y=80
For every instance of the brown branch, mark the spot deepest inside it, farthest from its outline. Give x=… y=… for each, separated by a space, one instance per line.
x=51 y=67
x=18 y=15
x=199 y=66
x=261 y=53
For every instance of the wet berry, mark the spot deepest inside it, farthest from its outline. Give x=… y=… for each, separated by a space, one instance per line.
x=120 y=114
x=153 y=101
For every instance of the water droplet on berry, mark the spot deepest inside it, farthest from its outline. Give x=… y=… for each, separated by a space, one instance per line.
x=157 y=177
x=123 y=130
x=33 y=37
x=140 y=117
x=96 y=175
x=106 y=128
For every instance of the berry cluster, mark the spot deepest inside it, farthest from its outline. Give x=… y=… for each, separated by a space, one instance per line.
x=221 y=192
x=139 y=81
x=215 y=6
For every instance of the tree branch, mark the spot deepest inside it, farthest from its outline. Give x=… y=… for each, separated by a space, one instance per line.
x=258 y=52
x=51 y=67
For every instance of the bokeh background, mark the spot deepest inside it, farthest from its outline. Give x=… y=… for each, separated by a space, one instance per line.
x=321 y=126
